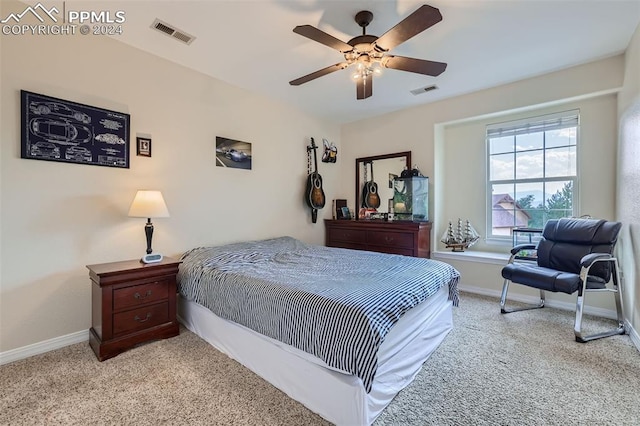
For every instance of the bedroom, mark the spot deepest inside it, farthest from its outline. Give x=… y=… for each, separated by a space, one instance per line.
x=43 y=256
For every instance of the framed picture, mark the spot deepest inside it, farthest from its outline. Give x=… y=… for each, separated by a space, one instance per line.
x=232 y=153
x=345 y=213
x=55 y=129
x=143 y=147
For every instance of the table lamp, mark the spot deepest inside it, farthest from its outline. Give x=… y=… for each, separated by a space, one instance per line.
x=149 y=204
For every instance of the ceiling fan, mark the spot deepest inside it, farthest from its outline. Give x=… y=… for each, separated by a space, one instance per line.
x=370 y=53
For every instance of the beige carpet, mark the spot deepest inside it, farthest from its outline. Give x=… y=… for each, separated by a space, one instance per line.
x=518 y=369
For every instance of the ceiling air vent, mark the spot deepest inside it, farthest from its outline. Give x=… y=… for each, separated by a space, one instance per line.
x=171 y=31
x=423 y=90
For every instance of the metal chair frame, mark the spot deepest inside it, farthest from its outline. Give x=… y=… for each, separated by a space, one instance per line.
x=584 y=274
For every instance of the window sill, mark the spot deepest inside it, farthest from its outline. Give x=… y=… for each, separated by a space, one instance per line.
x=472 y=256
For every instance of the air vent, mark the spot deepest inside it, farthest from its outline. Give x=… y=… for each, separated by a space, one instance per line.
x=423 y=90
x=172 y=31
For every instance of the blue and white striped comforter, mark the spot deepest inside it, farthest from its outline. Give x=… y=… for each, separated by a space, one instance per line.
x=336 y=304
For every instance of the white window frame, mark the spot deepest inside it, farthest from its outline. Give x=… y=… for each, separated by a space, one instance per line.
x=560 y=120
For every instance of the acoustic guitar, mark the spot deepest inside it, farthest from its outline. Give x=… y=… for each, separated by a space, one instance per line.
x=370 y=197
x=314 y=194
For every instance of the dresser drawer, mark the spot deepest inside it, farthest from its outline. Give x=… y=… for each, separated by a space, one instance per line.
x=349 y=235
x=390 y=239
x=140 y=319
x=129 y=297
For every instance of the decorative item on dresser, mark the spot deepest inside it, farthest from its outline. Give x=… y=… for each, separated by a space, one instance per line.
x=131 y=303
x=406 y=238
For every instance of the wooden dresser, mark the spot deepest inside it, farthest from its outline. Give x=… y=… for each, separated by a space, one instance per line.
x=132 y=302
x=407 y=238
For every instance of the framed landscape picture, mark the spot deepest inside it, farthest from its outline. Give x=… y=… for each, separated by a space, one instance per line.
x=55 y=129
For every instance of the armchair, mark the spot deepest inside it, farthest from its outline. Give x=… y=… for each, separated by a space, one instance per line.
x=574 y=255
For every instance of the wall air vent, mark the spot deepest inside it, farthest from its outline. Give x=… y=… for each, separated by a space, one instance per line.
x=423 y=90
x=171 y=31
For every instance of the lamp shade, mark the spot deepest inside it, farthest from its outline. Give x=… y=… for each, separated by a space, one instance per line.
x=148 y=204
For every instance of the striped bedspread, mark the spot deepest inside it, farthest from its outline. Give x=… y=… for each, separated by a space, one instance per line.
x=336 y=304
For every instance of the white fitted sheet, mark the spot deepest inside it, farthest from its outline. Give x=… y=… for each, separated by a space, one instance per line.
x=336 y=396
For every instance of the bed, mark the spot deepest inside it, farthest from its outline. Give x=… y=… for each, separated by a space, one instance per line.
x=341 y=331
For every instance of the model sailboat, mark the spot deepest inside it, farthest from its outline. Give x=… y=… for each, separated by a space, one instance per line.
x=460 y=238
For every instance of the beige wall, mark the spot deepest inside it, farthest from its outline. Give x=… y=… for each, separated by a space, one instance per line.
x=56 y=218
x=447 y=143
x=628 y=195
x=464 y=160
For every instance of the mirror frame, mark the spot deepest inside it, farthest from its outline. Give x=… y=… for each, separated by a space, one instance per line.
x=406 y=154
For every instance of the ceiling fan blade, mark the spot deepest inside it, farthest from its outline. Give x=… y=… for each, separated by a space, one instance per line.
x=419 y=66
x=319 y=73
x=364 y=87
x=321 y=37
x=418 y=21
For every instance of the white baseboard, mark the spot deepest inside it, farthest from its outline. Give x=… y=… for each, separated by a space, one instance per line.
x=42 y=347
x=633 y=334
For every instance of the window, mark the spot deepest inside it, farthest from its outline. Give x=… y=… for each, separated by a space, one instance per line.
x=532 y=167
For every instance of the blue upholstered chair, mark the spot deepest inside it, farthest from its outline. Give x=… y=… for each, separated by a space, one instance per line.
x=574 y=255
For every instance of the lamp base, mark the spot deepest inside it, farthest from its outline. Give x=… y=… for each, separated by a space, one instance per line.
x=148 y=231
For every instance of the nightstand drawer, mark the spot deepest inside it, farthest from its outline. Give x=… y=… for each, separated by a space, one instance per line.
x=129 y=297
x=140 y=319
x=390 y=239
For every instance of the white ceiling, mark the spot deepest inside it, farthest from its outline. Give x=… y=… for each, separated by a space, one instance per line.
x=486 y=43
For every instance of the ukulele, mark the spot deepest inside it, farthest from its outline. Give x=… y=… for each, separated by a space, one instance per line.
x=314 y=195
x=370 y=197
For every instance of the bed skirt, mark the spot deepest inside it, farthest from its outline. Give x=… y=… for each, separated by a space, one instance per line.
x=336 y=396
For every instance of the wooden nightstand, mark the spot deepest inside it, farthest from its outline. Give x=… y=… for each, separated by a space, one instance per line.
x=132 y=302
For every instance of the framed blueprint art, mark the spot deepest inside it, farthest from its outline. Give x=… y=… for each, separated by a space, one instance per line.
x=58 y=130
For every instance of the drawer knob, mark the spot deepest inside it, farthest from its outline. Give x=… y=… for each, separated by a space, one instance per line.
x=148 y=317
x=139 y=296
x=388 y=238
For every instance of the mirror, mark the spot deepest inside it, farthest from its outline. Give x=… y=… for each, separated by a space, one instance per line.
x=383 y=168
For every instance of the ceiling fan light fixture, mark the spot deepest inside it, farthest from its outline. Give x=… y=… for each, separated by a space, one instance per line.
x=370 y=53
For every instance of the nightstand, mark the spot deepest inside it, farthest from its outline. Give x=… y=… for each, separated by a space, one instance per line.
x=131 y=303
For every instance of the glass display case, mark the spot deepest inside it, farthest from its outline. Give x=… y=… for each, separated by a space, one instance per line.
x=410 y=199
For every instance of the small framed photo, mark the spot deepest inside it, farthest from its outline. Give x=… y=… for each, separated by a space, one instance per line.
x=345 y=214
x=143 y=147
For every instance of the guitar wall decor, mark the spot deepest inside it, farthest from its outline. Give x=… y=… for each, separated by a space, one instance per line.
x=370 y=197
x=314 y=195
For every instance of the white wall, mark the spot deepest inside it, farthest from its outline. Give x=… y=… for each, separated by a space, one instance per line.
x=628 y=195
x=56 y=218
x=447 y=143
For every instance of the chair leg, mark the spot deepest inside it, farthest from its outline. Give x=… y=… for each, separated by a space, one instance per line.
x=503 y=301
x=618 y=299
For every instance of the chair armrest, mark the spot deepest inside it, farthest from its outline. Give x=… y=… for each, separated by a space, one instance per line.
x=521 y=247
x=590 y=258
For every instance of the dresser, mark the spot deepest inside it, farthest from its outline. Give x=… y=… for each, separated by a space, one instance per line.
x=406 y=238
x=131 y=303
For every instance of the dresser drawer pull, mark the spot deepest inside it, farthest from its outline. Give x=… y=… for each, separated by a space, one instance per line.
x=138 y=319
x=388 y=238
x=138 y=296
